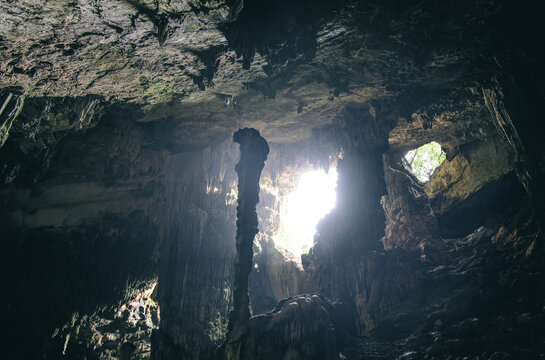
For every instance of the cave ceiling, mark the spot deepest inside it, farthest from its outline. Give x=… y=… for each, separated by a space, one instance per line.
x=201 y=69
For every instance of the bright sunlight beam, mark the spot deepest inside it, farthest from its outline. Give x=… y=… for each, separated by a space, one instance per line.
x=312 y=199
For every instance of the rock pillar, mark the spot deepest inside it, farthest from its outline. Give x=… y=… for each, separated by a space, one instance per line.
x=253 y=153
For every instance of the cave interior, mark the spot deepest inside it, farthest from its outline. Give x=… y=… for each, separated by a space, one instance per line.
x=128 y=230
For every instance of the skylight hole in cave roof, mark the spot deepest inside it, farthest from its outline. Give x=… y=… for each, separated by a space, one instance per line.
x=423 y=161
x=311 y=199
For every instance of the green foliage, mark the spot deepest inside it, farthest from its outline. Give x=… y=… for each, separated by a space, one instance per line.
x=424 y=160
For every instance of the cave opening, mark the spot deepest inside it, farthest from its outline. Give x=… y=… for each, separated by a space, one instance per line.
x=312 y=198
x=119 y=189
x=423 y=160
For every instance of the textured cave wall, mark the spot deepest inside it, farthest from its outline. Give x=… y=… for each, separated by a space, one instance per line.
x=478 y=187
x=109 y=207
x=197 y=256
x=77 y=232
x=513 y=101
x=444 y=285
x=55 y=273
x=514 y=95
x=410 y=220
x=475 y=164
x=356 y=225
x=386 y=289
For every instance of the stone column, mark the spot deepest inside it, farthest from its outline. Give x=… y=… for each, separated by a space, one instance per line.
x=253 y=153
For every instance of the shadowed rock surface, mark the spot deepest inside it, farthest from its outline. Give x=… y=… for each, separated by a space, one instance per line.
x=300 y=327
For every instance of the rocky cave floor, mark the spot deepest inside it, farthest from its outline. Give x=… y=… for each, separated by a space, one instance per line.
x=486 y=304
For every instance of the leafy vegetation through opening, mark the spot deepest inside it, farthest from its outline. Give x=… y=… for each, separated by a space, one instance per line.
x=424 y=160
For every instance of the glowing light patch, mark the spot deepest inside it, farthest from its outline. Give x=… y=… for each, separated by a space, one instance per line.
x=424 y=160
x=312 y=199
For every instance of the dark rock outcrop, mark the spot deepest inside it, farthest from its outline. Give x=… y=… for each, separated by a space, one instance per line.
x=69 y=281
x=121 y=331
x=410 y=220
x=466 y=308
x=300 y=327
x=355 y=227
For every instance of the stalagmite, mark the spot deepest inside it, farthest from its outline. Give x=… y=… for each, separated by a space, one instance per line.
x=253 y=153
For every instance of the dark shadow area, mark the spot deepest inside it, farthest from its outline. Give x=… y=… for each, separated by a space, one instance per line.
x=56 y=273
x=496 y=203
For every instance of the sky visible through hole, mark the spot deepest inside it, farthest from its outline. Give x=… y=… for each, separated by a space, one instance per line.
x=313 y=197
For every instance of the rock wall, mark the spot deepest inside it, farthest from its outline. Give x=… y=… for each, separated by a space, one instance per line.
x=514 y=107
x=410 y=220
x=478 y=187
x=354 y=228
x=475 y=165
x=197 y=254
x=478 y=305
x=77 y=231
x=107 y=210
x=300 y=327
